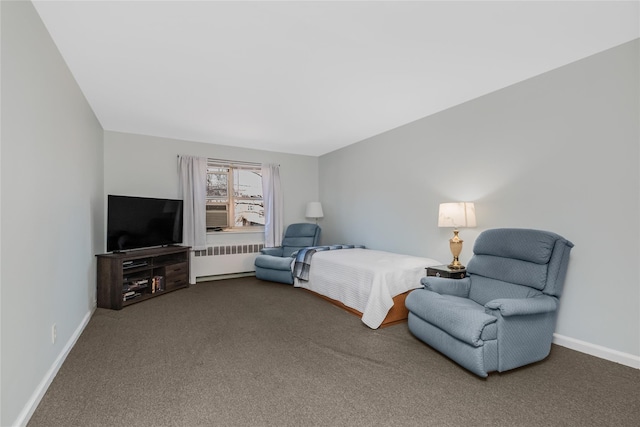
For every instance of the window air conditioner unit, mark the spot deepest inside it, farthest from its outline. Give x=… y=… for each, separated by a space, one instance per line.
x=217 y=216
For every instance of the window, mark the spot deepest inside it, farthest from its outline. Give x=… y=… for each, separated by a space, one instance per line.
x=234 y=196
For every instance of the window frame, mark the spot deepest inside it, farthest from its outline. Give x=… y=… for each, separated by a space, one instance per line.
x=231 y=200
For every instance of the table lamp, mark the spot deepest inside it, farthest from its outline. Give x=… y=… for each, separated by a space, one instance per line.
x=456 y=215
x=314 y=210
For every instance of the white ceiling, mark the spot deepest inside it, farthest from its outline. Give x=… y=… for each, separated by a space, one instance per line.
x=311 y=77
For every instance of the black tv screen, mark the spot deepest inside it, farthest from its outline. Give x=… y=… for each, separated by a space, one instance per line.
x=141 y=222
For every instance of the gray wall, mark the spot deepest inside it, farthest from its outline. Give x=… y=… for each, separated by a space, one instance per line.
x=137 y=165
x=51 y=213
x=556 y=152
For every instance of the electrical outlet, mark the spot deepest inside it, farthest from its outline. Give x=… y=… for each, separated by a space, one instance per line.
x=54 y=333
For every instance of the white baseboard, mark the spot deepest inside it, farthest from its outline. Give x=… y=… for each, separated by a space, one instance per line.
x=34 y=401
x=598 y=351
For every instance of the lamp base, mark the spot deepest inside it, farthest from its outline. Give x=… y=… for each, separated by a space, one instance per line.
x=455 y=265
x=455 y=244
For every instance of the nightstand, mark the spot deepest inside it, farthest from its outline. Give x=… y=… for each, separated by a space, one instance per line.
x=444 y=271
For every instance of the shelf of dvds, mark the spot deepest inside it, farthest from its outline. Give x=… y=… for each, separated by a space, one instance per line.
x=125 y=278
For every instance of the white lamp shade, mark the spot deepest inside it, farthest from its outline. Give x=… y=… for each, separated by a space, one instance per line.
x=314 y=210
x=457 y=215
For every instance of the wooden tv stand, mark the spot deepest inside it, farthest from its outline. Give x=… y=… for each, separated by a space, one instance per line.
x=125 y=278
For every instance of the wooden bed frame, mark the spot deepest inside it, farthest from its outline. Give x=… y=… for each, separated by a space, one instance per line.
x=398 y=313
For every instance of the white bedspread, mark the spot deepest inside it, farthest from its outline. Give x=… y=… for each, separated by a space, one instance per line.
x=365 y=279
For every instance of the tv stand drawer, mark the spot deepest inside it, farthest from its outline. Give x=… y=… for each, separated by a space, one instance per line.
x=175 y=270
x=176 y=275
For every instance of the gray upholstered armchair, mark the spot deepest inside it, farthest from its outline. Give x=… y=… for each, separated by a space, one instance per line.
x=274 y=264
x=503 y=314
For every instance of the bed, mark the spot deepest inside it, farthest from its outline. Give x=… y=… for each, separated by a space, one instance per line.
x=368 y=283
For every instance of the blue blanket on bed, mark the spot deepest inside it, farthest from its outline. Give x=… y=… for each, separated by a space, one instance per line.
x=302 y=263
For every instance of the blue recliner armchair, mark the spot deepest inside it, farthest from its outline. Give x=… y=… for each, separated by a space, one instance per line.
x=274 y=264
x=503 y=314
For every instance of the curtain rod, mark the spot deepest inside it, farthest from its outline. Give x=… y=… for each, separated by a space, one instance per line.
x=231 y=162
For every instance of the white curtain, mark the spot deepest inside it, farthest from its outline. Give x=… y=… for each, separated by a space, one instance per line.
x=273 y=205
x=193 y=191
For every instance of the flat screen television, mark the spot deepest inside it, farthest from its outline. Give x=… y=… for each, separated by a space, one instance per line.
x=142 y=222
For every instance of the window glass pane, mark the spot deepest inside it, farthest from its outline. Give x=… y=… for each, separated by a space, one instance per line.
x=247 y=183
x=217 y=183
x=247 y=190
x=249 y=213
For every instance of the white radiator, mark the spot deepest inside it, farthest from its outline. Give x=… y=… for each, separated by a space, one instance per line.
x=224 y=260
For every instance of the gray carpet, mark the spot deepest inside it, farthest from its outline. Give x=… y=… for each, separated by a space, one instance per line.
x=244 y=352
